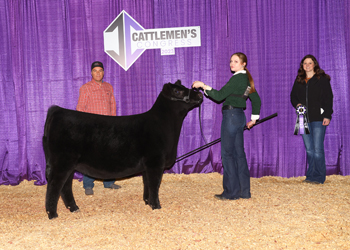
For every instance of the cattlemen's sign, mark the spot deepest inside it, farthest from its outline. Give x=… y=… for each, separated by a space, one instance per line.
x=125 y=39
x=157 y=34
x=165 y=39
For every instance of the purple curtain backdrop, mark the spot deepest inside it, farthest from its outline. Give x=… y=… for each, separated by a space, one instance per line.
x=47 y=47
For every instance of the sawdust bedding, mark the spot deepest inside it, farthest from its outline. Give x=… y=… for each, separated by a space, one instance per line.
x=282 y=214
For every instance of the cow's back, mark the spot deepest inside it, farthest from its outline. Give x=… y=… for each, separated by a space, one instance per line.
x=114 y=144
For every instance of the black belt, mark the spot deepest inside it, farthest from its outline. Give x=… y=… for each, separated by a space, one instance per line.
x=226 y=107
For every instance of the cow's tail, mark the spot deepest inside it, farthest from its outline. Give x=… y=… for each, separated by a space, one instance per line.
x=48 y=122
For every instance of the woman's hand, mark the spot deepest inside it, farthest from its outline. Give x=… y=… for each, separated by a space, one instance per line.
x=197 y=84
x=326 y=122
x=251 y=124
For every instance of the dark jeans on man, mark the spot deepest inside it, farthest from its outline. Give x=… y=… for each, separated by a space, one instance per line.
x=88 y=182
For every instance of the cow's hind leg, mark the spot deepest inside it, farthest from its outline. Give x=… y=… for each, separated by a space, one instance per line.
x=57 y=176
x=67 y=195
x=52 y=195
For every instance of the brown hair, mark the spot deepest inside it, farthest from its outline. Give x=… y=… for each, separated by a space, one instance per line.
x=244 y=59
x=318 y=71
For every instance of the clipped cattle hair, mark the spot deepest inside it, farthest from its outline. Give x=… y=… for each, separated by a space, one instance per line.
x=114 y=147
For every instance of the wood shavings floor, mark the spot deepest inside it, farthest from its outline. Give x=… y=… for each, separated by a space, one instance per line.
x=282 y=214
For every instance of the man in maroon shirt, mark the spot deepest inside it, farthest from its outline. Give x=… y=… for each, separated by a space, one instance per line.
x=97 y=97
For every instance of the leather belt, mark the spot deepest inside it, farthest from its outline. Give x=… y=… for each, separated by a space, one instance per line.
x=226 y=107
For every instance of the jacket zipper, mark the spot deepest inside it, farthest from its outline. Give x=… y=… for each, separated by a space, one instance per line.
x=307 y=102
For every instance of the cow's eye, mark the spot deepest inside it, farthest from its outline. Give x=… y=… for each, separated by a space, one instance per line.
x=178 y=92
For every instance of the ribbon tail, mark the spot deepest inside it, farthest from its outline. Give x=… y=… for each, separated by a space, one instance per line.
x=306 y=126
x=302 y=124
x=296 y=128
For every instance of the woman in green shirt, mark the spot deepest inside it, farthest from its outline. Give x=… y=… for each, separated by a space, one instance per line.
x=236 y=179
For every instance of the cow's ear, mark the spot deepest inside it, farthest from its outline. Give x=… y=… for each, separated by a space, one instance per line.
x=178 y=82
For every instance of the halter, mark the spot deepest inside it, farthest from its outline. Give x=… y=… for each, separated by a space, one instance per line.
x=185 y=99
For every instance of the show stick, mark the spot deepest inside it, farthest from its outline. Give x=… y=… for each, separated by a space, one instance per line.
x=218 y=140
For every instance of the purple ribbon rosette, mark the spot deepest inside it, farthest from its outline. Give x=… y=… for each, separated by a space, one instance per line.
x=301 y=125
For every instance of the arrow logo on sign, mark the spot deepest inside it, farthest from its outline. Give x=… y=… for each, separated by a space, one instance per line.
x=117 y=40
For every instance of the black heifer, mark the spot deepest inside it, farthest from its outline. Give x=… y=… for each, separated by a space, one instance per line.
x=109 y=147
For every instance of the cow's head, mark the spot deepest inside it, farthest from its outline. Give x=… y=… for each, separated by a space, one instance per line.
x=179 y=93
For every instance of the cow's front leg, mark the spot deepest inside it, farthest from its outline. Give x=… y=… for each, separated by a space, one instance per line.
x=145 y=188
x=154 y=177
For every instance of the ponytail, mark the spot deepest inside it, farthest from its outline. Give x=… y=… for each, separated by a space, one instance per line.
x=244 y=59
x=251 y=81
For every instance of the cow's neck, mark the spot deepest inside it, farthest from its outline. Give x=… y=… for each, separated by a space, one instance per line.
x=170 y=115
x=170 y=111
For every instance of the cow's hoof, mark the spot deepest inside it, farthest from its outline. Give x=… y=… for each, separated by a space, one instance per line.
x=155 y=207
x=73 y=209
x=52 y=215
x=76 y=211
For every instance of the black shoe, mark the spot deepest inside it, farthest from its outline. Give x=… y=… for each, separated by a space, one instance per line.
x=316 y=182
x=89 y=191
x=307 y=181
x=245 y=197
x=114 y=186
x=220 y=197
x=312 y=182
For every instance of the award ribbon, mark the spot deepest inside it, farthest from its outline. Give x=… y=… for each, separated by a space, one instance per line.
x=301 y=126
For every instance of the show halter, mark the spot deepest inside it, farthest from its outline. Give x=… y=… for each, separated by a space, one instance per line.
x=185 y=99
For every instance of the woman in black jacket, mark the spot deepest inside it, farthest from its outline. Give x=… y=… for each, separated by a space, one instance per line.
x=312 y=89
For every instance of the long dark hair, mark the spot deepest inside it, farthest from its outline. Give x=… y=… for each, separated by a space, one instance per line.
x=318 y=71
x=244 y=59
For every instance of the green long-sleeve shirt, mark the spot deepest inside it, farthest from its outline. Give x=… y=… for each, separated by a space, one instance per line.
x=236 y=85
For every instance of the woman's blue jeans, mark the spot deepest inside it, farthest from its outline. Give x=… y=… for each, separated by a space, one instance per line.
x=236 y=179
x=314 y=145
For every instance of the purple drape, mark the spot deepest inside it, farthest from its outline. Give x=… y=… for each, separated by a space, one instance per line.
x=47 y=48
